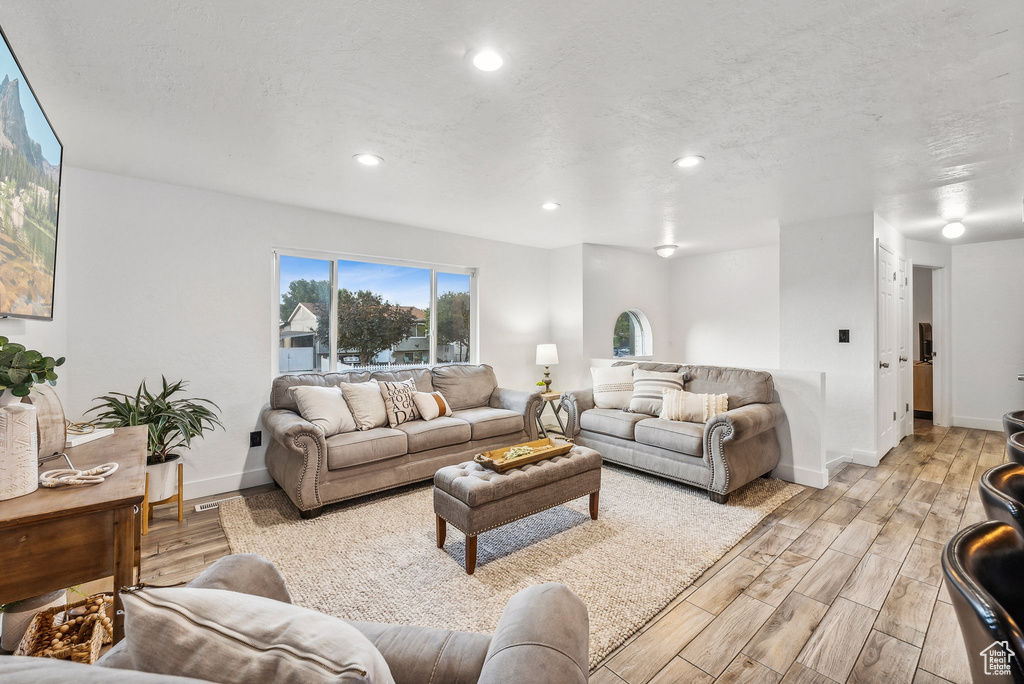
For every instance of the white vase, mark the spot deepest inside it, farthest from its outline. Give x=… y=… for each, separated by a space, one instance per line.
x=163 y=480
x=19 y=451
x=6 y=398
x=16 y=618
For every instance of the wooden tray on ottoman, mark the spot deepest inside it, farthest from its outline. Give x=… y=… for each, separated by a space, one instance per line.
x=542 y=449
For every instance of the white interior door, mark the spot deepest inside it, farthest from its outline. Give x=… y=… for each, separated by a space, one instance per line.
x=887 y=357
x=904 y=377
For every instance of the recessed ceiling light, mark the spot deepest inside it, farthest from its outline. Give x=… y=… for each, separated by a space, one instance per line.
x=665 y=251
x=689 y=161
x=550 y=206
x=953 y=230
x=368 y=159
x=487 y=59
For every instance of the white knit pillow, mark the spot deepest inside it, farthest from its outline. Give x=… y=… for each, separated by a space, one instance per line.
x=324 y=407
x=692 y=408
x=613 y=387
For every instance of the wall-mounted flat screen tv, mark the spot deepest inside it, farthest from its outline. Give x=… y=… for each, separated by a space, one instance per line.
x=30 y=157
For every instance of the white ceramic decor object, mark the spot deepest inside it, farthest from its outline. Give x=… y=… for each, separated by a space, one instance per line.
x=163 y=480
x=19 y=452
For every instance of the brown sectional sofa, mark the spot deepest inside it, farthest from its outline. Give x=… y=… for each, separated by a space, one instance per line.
x=721 y=456
x=315 y=470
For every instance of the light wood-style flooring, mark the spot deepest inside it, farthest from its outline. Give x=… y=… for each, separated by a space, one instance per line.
x=841 y=584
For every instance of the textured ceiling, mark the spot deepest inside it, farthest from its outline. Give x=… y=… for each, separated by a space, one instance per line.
x=803 y=108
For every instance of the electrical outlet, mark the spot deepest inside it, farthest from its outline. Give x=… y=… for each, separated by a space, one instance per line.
x=255 y=438
x=844 y=336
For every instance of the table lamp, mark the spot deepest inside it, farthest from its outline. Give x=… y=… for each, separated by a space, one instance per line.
x=547 y=355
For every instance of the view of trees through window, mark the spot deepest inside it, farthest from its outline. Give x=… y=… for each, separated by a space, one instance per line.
x=631 y=336
x=383 y=314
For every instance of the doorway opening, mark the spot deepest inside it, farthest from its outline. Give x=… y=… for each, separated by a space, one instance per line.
x=924 y=345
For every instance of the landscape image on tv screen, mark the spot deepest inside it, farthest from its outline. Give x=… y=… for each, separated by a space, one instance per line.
x=30 y=157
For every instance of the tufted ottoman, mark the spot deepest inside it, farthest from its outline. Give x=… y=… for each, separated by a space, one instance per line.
x=475 y=499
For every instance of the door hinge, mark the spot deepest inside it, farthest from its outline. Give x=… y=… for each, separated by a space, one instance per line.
x=906 y=280
x=894 y=277
x=907 y=408
x=894 y=416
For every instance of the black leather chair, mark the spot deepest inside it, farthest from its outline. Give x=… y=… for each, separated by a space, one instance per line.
x=1013 y=422
x=984 y=568
x=1015 y=448
x=1002 y=495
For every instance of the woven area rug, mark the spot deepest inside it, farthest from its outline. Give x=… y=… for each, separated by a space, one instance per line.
x=376 y=559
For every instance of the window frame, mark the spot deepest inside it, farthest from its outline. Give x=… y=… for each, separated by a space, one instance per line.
x=333 y=258
x=643 y=340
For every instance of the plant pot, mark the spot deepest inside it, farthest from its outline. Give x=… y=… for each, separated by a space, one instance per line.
x=6 y=398
x=17 y=616
x=163 y=478
x=19 y=451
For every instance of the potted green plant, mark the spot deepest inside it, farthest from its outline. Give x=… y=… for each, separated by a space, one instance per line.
x=20 y=368
x=173 y=422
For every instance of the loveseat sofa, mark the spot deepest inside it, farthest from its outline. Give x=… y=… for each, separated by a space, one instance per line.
x=543 y=637
x=315 y=470
x=720 y=456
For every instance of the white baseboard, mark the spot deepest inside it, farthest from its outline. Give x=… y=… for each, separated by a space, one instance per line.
x=865 y=458
x=836 y=460
x=227 y=483
x=801 y=476
x=836 y=457
x=978 y=423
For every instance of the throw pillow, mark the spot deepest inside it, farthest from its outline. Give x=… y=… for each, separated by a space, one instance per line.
x=648 y=386
x=324 y=407
x=431 y=405
x=366 y=403
x=225 y=636
x=613 y=387
x=692 y=408
x=398 y=401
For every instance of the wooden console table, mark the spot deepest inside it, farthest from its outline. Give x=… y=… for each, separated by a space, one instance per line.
x=56 y=538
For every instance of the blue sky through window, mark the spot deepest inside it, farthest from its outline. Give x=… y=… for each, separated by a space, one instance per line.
x=38 y=129
x=402 y=285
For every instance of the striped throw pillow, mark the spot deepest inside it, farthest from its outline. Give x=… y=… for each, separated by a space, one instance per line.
x=648 y=388
x=692 y=408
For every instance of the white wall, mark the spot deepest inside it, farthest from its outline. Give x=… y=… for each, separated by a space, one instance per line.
x=988 y=332
x=826 y=282
x=922 y=304
x=49 y=337
x=615 y=280
x=725 y=308
x=178 y=281
x=566 y=311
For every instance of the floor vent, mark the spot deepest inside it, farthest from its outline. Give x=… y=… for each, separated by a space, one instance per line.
x=210 y=505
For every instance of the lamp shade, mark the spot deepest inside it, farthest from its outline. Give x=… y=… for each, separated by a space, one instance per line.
x=547 y=355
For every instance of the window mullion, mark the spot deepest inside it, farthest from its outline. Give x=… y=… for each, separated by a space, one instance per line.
x=333 y=317
x=433 y=317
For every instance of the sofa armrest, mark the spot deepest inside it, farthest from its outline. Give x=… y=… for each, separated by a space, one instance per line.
x=741 y=445
x=296 y=456
x=743 y=423
x=520 y=401
x=575 y=402
x=543 y=636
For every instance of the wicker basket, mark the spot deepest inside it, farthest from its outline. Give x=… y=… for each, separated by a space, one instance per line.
x=91 y=629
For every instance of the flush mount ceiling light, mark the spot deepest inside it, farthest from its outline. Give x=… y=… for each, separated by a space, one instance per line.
x=368 y=159
x=665 y=251
x=689 y=161
x=487 y=59
x=953 y=230
x=550 y=206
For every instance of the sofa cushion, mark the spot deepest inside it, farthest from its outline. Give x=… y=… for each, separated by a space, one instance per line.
x=683 y=438
x=29 y=670
x=324 y=407
x=648 y=388
x=440 y=432
x=613 y=386
x=612 y=422
x=465 y=386
x=364 y=446
x=398 y=401
x=421 y=376
x=281 y=398
x=650 y=366
x=226 y=636
x=743 y=386
x=366 y=404
x=490 y=422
